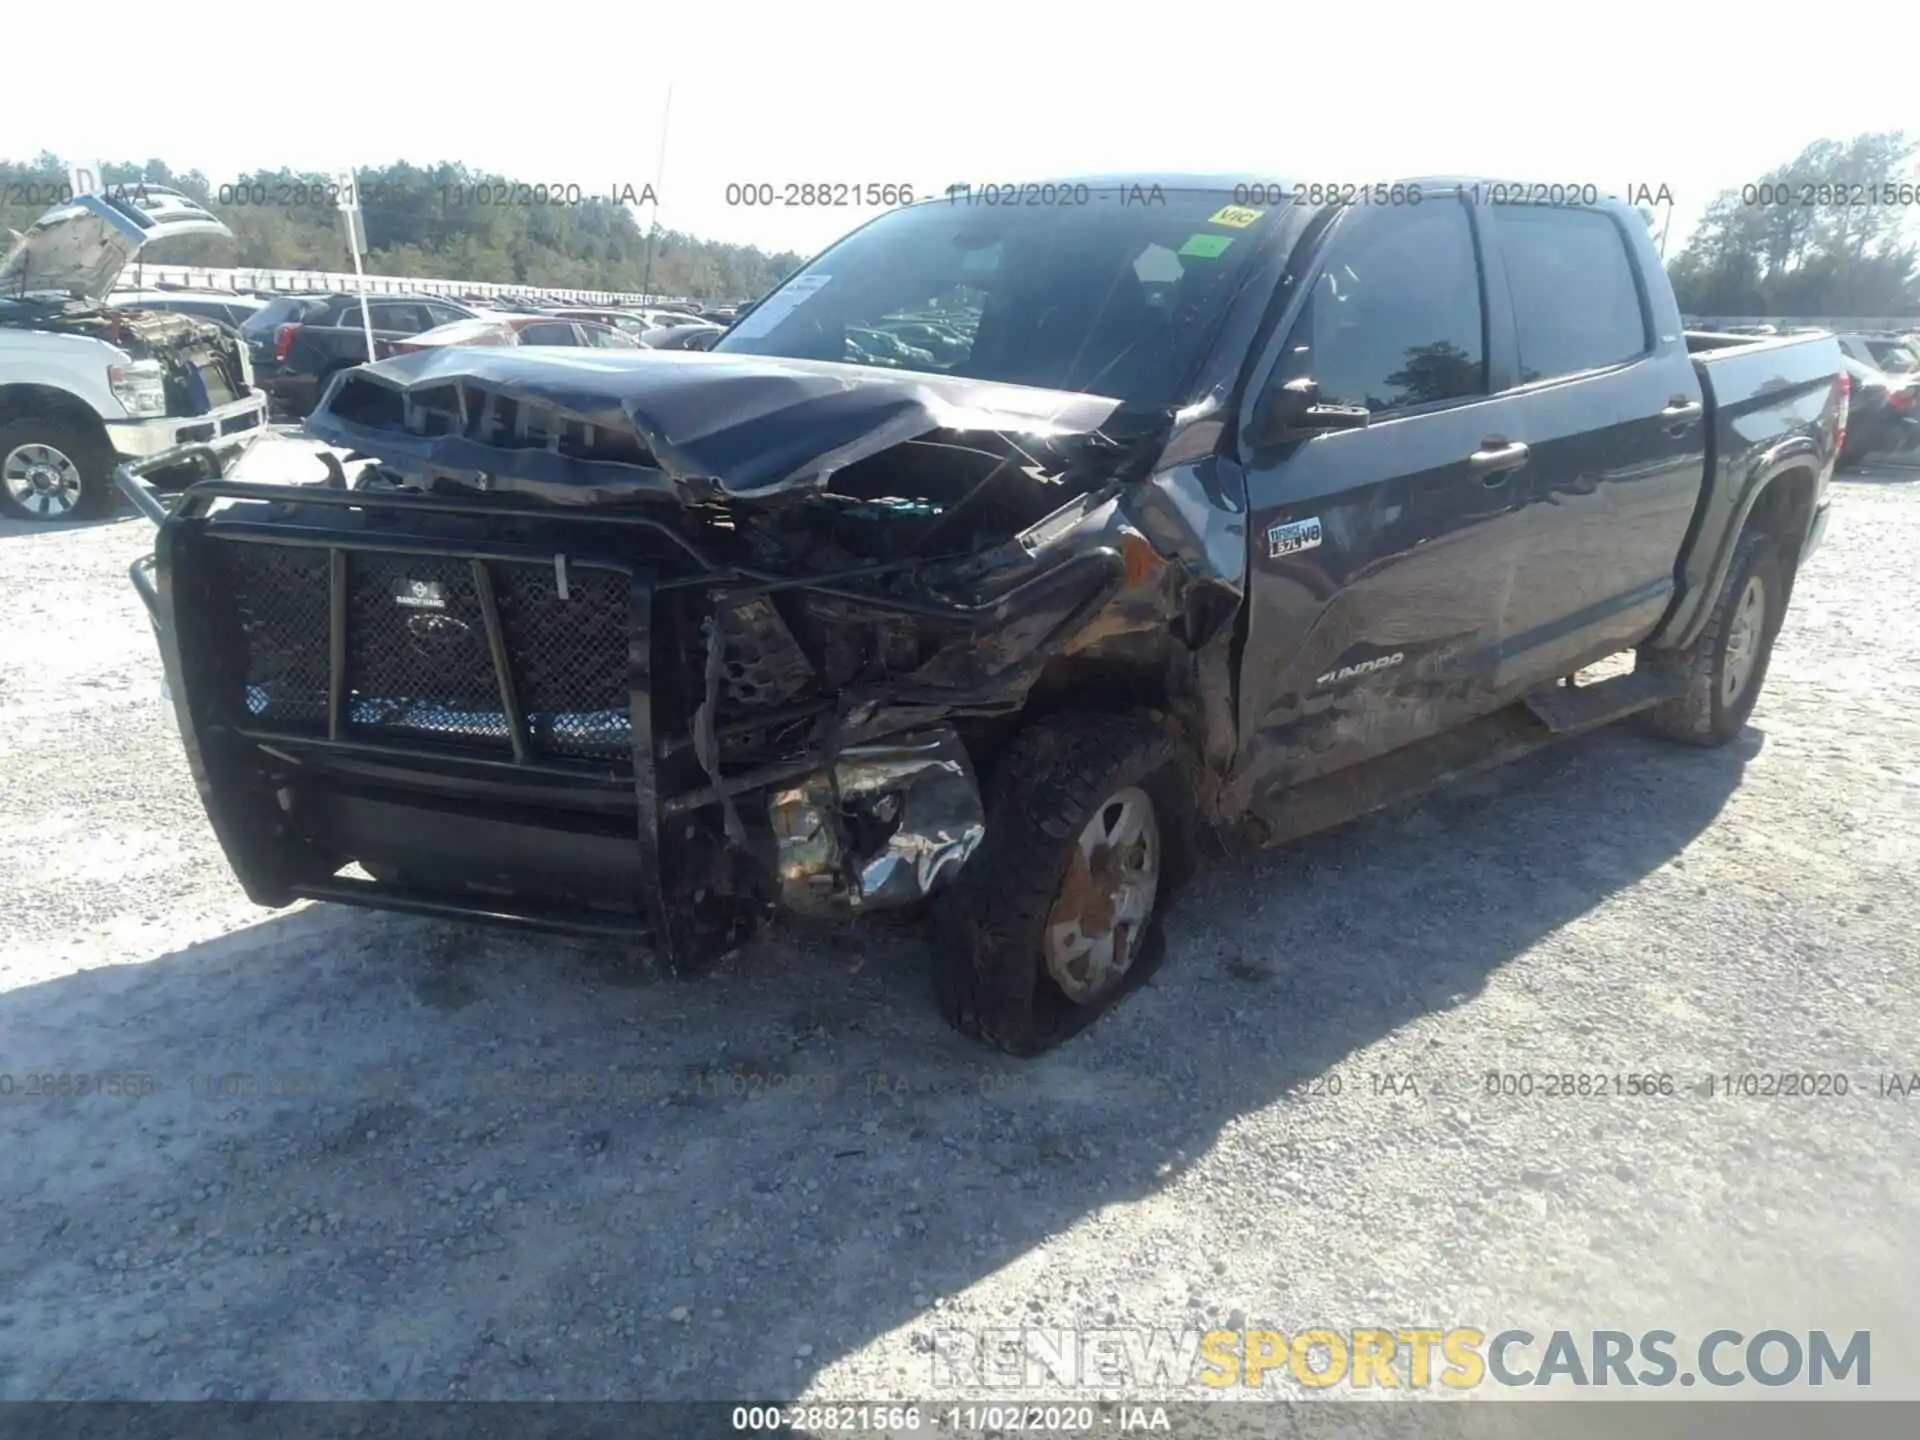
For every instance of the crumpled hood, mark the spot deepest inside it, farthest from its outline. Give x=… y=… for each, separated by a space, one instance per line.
x=82 y=247
x=695 y=425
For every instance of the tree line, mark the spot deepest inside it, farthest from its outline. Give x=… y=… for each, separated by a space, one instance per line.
x=1830 y=232
x=441 y=221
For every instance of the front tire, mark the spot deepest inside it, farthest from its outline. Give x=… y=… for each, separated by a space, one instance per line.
x=1725 y=667
x=1056 y=916
x=53 y=470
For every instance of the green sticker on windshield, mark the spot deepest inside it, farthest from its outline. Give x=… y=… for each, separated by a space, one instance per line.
x=1206 y=247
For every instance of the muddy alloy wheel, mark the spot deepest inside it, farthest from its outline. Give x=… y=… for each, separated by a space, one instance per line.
x=1745 y=628
x=1056 y=917
x=1106 y=900
x=1720 y=674
x=41 y=481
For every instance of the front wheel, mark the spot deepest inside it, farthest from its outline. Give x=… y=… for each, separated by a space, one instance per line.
x=52 y=470
x=1056 y=916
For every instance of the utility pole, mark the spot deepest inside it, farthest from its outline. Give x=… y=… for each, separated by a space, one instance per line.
x=353 y=224
x=659 y=172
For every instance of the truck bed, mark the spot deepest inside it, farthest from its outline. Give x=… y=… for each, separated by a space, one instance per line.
x=1767 y=398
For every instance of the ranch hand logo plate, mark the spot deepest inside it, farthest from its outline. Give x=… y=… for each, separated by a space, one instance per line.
x=1292 y=536
x=419 y=594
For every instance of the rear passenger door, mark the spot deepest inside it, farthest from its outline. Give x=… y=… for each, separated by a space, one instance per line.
x=1611 y=413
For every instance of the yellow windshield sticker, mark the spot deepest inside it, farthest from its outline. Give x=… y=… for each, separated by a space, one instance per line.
x=1236 y=217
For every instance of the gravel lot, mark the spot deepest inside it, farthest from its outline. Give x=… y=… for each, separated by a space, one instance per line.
x=781 y=1179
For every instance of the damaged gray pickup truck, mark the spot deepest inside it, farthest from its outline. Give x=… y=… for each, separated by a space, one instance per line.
x=994 y=556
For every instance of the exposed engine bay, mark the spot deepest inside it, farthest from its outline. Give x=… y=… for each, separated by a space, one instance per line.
x=775 y=611
x=201 y=362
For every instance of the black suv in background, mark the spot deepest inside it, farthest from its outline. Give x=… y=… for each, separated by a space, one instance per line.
x=297 y=342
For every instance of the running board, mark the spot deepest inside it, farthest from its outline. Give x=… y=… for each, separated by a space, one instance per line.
x=1520 y=729
x=1569 y=709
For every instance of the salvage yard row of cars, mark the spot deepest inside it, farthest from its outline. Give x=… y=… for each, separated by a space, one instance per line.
x=91 y=373
x=983 y=564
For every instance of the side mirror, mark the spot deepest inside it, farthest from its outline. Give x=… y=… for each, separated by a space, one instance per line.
x=1294 y=411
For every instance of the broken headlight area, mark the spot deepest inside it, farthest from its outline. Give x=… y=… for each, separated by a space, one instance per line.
x=884 y=826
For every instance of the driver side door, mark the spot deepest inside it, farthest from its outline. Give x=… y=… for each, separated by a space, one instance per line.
x=1381 y=556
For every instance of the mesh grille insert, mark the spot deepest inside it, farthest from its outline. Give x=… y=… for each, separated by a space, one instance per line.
x=280 y=597
x=418 y=664
x=417 y=659
x=569 y=657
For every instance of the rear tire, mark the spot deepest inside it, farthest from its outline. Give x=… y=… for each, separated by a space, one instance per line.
x=53 y=470
x=1057 y=916
x=1726 y=665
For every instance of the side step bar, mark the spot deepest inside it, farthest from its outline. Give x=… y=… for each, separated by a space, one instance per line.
x=1530 y=724
x=477 y=908
x=1569 y=709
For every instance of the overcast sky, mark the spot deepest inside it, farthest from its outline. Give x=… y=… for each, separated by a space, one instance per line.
x=930 y=94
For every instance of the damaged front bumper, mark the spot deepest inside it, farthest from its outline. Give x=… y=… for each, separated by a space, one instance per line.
x=578 y=719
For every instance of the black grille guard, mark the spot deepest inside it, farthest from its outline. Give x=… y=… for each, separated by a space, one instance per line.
x=152 y=578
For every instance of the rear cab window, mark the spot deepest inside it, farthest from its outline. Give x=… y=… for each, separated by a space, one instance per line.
x=1577 y=303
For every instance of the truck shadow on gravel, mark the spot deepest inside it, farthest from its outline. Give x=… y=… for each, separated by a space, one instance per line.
x=386 y=1157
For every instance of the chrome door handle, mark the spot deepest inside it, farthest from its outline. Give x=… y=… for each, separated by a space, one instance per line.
x=1496 y=459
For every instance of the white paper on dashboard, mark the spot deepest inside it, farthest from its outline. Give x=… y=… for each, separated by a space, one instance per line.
x=792 y=296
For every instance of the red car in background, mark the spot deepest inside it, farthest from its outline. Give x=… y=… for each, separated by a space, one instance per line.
x=512 y=330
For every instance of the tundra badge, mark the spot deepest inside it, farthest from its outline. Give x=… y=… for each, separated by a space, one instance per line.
x=1364 y=667
x=1291 y=536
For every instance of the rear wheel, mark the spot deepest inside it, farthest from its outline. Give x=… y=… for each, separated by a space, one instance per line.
x=1725 y=667
x=53 y=470
x=1056 y=917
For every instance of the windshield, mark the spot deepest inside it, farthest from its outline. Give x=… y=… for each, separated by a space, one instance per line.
x=1113 y=291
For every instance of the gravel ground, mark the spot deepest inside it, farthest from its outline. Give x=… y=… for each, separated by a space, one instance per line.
x=782 y=1179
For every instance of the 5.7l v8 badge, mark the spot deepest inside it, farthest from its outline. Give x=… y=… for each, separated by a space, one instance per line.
x=1290 y=537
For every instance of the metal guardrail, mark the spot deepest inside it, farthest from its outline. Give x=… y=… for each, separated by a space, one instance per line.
x=206 y=277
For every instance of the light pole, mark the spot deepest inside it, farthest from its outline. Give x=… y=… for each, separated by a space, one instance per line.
x=659 y=171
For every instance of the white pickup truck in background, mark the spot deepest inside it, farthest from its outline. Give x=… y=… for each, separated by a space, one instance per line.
x=83 y=382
